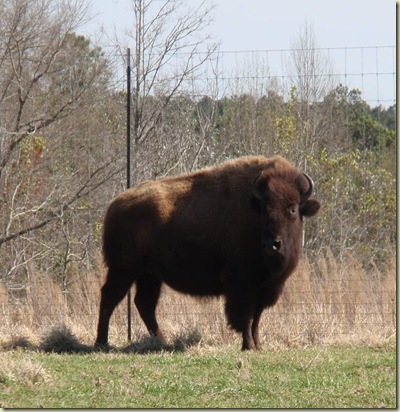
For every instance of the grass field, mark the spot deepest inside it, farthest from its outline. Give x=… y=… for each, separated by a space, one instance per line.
x=330 y=342
x=200 y=376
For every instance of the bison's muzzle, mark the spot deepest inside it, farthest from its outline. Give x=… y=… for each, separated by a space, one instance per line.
x=271 y=245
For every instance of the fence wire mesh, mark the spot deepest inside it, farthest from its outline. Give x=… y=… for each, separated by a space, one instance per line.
x=320 y=304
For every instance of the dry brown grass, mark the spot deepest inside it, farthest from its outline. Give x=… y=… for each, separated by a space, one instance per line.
x=25 y=371
x=328 y=302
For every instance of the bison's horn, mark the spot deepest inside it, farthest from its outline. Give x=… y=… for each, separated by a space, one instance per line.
x=308 y=193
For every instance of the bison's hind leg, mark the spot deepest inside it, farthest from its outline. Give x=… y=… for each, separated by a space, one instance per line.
x=113 y=291
x=148 y=288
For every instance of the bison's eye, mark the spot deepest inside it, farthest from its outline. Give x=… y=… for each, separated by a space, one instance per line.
x=293 y=210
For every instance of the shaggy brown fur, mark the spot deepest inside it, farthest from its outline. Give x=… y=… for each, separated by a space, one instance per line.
x=234 y=229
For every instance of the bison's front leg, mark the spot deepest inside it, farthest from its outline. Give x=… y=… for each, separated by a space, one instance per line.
x=239 y=309
x=255 y=326
x=251 y=335
x=268 y=296
x=248 y=339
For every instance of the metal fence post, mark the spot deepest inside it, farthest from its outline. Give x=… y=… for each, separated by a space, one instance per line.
x=128 y=163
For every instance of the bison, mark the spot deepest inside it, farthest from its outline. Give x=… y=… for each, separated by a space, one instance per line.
x=232 y=230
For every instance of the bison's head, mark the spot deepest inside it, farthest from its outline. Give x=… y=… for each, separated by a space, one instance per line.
x=283 y=197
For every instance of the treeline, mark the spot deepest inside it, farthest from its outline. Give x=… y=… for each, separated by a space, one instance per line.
x=63 y=148
x=347 y=146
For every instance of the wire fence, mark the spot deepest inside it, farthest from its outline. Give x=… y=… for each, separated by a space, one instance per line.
x=370 y=69
x=325 y=304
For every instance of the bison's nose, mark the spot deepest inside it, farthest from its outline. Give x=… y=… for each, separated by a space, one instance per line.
x=272 y=244
x=276 y=245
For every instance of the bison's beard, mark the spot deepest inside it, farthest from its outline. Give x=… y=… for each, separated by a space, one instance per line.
x=279 y=266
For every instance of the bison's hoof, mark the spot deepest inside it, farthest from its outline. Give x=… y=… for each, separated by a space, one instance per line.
x=102 y=347
x=251 y=346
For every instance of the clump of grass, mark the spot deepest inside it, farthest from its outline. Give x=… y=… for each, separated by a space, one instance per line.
x=22 y=371
x=148 y=344
x=188 y=339
x=60 y=339
x=17 y=342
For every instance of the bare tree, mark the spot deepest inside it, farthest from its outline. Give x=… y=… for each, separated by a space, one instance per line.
x=312 y=79
x=33 y=33
x=170 y=47
x=49 y=78
x=311 y=70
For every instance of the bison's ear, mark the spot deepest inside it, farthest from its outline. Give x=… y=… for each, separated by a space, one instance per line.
x=260 y=185
x=310 y=208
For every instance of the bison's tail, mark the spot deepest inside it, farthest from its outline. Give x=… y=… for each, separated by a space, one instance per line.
x=111 y=242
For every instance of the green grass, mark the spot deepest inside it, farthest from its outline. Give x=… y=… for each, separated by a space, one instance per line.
x=329 y=377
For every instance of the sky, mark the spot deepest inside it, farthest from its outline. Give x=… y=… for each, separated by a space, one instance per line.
x=245 y=25
x=274 y=24
x=271 y=24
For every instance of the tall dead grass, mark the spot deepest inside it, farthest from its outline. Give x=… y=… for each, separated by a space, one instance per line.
x=327 y=302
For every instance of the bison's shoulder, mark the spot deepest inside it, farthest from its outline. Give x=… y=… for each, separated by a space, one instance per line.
x=153 y=200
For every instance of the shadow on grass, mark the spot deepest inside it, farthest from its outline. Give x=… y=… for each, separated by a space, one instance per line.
x=148 y=344
x=60 y=339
